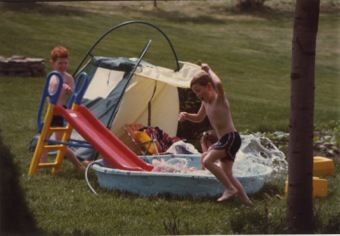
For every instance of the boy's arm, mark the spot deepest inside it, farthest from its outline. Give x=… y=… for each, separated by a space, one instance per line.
x=68 y=83
x=197 y=118
x=53 y=85
x=216 y=80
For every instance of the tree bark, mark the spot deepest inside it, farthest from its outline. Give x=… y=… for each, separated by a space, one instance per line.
x=300 y=167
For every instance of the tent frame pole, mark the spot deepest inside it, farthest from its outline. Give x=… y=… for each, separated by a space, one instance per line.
x=124 y=24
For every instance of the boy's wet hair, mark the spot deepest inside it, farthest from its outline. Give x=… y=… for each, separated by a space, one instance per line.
x=59 y=52
x=202 y=78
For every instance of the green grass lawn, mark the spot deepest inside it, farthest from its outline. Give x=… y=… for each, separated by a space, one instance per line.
x=250 y=52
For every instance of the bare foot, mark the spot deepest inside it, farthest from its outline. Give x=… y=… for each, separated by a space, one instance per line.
x=79 y=170
x=226 y=195
x=248 y=202
x=245 y=199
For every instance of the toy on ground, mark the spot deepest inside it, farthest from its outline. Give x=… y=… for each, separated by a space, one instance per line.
x=321 y=166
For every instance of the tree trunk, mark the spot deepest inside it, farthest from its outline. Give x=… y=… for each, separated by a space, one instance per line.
x=300 y=167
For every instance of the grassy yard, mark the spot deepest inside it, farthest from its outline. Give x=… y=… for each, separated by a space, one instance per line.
x=251 y=53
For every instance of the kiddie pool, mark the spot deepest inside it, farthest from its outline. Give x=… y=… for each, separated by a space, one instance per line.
x=195 y=184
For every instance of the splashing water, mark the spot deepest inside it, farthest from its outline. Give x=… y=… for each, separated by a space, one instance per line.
x=174 y=165
x=255 y=156
x=257 y=149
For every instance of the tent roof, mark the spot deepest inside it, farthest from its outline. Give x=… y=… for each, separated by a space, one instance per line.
x=179 y=78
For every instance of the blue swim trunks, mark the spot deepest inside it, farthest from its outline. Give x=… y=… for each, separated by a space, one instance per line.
x=231 y=143
x=57 y=121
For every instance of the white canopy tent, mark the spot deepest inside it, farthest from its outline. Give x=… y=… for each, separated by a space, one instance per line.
x=149 y=96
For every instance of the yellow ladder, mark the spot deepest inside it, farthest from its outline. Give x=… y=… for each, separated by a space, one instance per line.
x=43 y=145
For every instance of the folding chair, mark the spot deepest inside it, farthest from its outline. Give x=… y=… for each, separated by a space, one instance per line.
x=146 y=144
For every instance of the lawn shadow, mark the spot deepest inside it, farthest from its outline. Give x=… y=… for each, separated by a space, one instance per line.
x=44 y=8
x=16 y=216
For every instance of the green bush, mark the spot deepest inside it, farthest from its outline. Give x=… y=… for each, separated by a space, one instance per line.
x=188 y=130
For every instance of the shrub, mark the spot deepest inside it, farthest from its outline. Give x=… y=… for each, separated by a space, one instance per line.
x=187 y=130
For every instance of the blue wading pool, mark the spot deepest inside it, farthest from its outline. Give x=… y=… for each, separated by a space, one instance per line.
x=192 y=183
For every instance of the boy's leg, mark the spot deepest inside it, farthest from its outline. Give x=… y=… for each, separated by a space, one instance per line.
x=43 y=158
x=70 y=154
x=202 y=158
x=209 y=163
x=73 y=158
x=44 y=154
x=227 y=167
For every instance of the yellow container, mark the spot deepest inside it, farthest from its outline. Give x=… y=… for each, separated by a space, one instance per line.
x=323 y=166
x=320 y=187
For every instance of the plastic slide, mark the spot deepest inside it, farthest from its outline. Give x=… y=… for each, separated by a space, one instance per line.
x=114 y=151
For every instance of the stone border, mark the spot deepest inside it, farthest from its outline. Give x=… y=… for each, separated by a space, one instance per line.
x=22 y=66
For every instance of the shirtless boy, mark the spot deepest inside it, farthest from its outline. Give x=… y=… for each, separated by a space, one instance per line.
x=59 y=62
x=209 y=89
